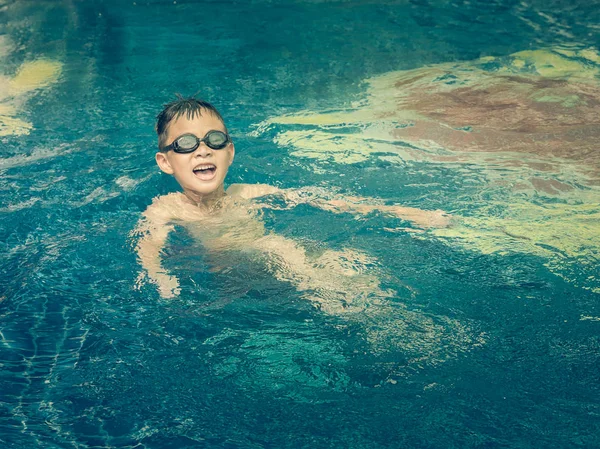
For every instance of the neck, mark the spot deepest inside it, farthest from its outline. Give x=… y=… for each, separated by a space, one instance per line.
x=208 y=201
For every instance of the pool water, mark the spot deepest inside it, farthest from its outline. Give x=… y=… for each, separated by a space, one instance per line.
x=482 y=335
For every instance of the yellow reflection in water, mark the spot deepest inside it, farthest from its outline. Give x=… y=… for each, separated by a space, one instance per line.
x=30 y=76
x=563 y=234
x=35 y=75
x=527 y=122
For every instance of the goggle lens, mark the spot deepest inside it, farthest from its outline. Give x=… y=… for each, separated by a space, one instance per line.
x=187 y=143
x=216 y=140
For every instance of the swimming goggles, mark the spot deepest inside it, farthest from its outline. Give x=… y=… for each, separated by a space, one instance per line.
x=216 y=140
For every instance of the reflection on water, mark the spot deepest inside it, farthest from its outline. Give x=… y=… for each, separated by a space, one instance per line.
x=455 y=349
x=30 y=76
x=16 y=88
x=528 y=122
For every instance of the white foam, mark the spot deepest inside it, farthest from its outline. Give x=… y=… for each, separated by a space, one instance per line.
x=19 y=206
x=36 y=155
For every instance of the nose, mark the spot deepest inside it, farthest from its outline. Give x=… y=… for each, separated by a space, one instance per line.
x=203 y=150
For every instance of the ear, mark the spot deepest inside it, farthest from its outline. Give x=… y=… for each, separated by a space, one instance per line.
x=231 y=150
x=163 y=163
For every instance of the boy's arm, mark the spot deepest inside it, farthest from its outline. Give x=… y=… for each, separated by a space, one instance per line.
x=250 y=191
x=154 y=229
x=321 y=198
x=354 y=204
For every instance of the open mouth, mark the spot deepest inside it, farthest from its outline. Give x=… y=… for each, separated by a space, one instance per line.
x=205 y=172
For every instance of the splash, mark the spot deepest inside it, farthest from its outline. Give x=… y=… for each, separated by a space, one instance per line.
x=527 y=123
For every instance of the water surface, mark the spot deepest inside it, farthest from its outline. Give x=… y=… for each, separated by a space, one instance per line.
x=489 y=337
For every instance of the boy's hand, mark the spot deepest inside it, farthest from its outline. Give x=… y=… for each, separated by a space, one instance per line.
x=168 y=286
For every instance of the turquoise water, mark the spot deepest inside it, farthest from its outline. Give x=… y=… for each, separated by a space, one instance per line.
x=487 y=340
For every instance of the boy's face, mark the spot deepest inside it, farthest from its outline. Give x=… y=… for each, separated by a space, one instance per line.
x=201 y=172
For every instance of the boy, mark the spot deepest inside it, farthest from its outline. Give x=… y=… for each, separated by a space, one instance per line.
x=195 y=148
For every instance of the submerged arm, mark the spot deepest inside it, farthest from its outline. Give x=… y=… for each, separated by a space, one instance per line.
x=154 y=230
x=326 y=200
x=354 y=204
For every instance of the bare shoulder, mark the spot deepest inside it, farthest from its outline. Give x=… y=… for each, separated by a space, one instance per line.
x=164 y=208
x=249 y=191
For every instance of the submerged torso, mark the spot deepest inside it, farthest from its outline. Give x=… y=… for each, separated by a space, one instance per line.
x=233 y=222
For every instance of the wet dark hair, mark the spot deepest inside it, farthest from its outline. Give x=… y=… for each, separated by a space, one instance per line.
x=190 y=106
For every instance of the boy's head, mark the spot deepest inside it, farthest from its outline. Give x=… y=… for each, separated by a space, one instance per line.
x=189 y=107
x=194 y=146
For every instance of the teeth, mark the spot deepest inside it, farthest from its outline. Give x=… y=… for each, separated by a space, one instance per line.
x=204 y=167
